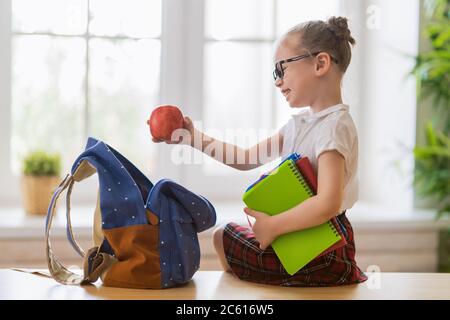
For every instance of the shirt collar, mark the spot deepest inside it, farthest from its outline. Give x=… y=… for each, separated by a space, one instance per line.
x=309 y=115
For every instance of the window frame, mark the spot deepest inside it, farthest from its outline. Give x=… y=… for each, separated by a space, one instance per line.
x=9 y=194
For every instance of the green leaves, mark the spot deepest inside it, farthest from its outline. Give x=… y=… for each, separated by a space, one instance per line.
x=432 y=73
x=432 y=172
x=432 y=69
x=40 y=163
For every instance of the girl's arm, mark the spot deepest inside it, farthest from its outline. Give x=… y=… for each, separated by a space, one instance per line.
x=311 y=212
x=238 y=158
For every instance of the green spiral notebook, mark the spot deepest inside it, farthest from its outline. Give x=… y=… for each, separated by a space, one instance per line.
x=283 y=189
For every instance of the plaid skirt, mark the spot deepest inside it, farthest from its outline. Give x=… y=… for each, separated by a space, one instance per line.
x=248 y=262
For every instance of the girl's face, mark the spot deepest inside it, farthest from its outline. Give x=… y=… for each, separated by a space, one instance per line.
x=298 y=80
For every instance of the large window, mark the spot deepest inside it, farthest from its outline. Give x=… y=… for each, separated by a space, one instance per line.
x=97 y=68
x=84 y=68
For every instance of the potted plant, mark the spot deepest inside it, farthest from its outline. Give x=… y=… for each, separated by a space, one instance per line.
x=432 y=158
x=41 y=175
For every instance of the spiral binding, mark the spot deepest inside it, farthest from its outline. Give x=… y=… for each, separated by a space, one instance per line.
x=302 y=180
x=336 y=233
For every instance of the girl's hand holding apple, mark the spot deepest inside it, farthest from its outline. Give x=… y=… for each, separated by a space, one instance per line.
x=164 y=120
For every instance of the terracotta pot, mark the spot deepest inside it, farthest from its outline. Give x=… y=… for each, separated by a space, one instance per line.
x=37 y=193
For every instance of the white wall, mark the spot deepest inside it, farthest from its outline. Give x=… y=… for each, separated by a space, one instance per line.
x=386 y=31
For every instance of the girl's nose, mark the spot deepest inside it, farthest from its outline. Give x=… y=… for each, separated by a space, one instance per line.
x=278 y=82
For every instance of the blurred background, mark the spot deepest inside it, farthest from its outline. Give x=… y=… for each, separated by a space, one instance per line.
x=70 y=69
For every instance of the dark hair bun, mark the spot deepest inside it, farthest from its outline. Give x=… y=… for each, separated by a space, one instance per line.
x=339 y=26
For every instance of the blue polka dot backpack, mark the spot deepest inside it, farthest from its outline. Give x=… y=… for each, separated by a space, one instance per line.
x=145 y=235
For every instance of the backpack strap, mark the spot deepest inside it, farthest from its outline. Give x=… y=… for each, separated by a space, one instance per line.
x=57 y=270
x=69 y=230
x=95 y=263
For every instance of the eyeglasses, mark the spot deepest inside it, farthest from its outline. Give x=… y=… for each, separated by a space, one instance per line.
x=278 y=72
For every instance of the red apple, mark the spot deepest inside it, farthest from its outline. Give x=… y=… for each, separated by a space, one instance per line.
x=164 y=120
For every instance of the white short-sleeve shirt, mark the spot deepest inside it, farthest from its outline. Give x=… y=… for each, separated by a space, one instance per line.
x=309 y=134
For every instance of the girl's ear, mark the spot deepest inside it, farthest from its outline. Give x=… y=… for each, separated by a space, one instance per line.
x=323 y=63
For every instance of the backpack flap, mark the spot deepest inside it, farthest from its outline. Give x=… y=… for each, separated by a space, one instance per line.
x=122 y=185
x=194 y=206
x=182 y=214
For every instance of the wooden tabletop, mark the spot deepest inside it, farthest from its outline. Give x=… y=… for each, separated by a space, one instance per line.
x=217 y=285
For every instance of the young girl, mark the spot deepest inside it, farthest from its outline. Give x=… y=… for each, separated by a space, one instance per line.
x=310 y=61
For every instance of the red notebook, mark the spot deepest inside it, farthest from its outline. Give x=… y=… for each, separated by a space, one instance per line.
x=307 y=171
